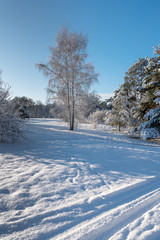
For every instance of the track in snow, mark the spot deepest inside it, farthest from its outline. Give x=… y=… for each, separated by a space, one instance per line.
x=120 y=209
x=78 y=185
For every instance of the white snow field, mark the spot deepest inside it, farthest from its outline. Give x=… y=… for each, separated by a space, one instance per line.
x=83 y=184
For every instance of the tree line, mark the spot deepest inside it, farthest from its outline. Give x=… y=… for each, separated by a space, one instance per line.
x=25 y=107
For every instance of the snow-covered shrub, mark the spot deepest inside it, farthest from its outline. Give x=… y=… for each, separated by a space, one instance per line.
x=97 y=117
x=10 y=130
x=10 y=125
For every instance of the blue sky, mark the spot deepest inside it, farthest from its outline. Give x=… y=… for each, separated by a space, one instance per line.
x=119 y=32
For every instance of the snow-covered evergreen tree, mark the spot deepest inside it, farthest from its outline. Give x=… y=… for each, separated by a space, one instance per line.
x=107 y=104
x=134 y=83
x=22 y=106
x=137 y=101
x=127 y=98
x=23 y=113
x=151 y=128
x=150 y=105
x=135 y=75
x=117 y=116
x=123 y=107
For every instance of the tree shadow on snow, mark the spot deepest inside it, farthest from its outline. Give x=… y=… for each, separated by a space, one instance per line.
x=47 y=142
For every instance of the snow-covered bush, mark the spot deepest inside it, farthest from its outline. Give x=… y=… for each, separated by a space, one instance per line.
x=97 y=117
x=10 y=125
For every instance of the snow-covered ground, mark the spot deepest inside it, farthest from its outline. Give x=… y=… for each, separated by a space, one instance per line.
x=87 y=184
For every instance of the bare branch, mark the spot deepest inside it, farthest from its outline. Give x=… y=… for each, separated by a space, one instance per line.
x=69 y=74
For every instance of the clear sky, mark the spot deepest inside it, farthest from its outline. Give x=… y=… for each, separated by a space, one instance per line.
x=119 y=32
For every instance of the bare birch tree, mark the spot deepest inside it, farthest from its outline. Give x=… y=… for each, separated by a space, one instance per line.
x=69 y=74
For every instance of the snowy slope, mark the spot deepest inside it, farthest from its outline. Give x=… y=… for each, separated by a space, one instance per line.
x=85 y=184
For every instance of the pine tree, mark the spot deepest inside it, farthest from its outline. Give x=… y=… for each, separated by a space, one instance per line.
x=117 y=116
x=150 y=104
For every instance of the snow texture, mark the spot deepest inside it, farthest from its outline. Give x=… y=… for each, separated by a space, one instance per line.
x=86 y=184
